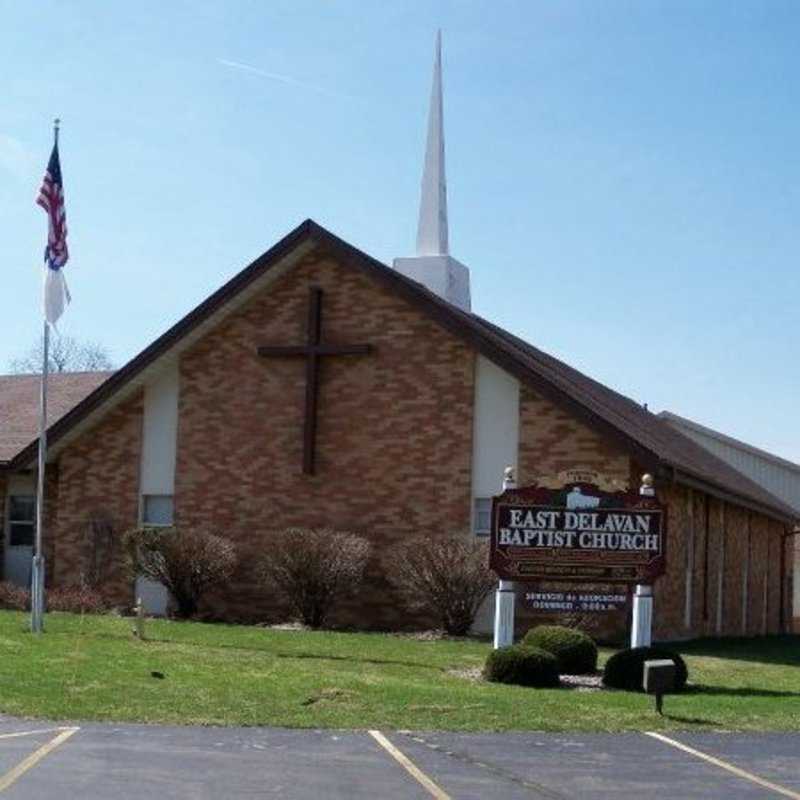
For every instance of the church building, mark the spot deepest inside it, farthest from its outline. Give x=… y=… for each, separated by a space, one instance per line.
x=322 y=388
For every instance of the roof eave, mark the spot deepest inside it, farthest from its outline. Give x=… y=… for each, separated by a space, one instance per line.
x=164 y=342
x=709 y=487
x=448 y=316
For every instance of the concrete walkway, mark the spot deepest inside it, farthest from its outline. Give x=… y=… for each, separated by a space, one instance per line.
x=104 y=762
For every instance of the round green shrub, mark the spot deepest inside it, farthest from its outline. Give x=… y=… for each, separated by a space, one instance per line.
x=625 y=669
x=575 y=652
x=525 y=666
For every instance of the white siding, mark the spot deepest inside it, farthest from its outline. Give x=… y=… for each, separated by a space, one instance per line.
x=160 y=433
x=495 y=444
x=779 y=477
x=157 y=471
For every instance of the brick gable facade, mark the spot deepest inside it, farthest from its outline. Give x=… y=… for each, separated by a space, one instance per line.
x=394 y=452
x=394 y=433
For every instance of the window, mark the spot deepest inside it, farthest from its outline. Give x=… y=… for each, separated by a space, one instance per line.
x=21 y=520
x=482 y=516
x=157 y=509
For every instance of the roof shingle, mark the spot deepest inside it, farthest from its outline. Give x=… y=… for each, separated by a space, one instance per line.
x=19 y=404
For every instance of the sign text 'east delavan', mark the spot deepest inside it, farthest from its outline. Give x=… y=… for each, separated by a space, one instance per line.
x=556 y=528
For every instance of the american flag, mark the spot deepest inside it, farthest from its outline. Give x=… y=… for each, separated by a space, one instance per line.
x=51 y=199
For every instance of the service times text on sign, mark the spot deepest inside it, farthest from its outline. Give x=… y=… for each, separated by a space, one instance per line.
x=577 y=532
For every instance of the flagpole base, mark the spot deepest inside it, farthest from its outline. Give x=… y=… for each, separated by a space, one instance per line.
x=37 y=594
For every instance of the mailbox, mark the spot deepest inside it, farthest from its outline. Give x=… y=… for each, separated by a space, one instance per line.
x=659 y=678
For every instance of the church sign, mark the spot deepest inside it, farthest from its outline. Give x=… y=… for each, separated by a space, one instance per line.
x=577 y=532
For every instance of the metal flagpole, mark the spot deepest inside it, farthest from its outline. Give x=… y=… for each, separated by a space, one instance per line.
x=37 y=571
x=38 y=566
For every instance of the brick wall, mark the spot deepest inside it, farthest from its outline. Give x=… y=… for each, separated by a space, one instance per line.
x=752 y=552
x=550 y=441
x=3 y=491
x=98 y=476
x=669 y=589
x=394 y=434
x=394 y=446
x=793 y=557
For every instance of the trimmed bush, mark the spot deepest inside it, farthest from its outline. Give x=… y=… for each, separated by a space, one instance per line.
x=314 y=569
x=14 y=597
x=625 y=669
x=447 y=577
x=76 y=600
x=188 y=562
x=524 y=666
x=575 y=652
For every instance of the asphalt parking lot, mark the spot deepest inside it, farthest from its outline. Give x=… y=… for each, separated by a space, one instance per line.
x=100 y=762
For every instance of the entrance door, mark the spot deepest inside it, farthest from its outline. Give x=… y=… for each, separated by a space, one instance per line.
x=20 y=527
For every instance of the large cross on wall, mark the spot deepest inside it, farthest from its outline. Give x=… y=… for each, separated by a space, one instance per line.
x=313 y=351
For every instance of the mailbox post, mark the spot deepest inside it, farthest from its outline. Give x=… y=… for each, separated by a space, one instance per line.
x=658 y=679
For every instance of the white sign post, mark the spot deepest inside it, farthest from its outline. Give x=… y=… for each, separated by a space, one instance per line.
x=505 y=596
x=642 y=628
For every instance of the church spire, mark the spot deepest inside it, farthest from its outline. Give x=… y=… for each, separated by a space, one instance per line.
x=433 y=266
x=432 y=229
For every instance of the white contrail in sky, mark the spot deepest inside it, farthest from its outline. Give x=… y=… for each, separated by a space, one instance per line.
x=275 y=76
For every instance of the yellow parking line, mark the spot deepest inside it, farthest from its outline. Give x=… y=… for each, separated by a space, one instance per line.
x=409 y=766
x=14 y=774
x=718 y=762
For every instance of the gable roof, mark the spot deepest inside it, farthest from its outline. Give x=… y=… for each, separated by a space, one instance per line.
x=19 y=404
x=653 y=443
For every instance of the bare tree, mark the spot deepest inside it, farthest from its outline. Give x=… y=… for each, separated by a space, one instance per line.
x=65 y=354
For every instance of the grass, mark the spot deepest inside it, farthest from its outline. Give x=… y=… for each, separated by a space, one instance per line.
x=91 y=667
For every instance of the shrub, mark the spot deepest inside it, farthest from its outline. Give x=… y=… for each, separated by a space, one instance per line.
x=525 y=666
x=13 y=597
x=625 y=669
x=446 y=576
x=575 y=652
x=187 y=562
x=314 y=568
x=76 y=600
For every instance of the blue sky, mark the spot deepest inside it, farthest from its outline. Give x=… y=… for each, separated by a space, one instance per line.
x=623 y=176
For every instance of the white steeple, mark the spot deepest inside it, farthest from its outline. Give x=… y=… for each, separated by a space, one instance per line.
x=433 y=265
x=432 y=229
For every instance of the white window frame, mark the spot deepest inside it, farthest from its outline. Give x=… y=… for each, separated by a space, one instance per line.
x=10 y=521
x=481 y=505
x=143 y=508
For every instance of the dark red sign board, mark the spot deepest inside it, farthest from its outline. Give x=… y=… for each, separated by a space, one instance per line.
x=579 y=533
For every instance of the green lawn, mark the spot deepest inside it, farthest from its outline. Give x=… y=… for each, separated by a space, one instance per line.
x=91 y=667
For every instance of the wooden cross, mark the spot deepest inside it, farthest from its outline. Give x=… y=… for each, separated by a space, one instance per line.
x=313 y=350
